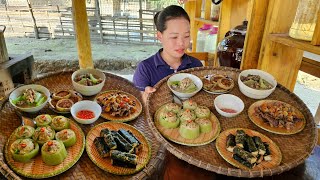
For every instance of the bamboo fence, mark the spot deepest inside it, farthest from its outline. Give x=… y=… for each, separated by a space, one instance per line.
x=44 y=21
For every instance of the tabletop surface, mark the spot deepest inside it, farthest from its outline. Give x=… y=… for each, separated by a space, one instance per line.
x=84 y=168
x=294 y=148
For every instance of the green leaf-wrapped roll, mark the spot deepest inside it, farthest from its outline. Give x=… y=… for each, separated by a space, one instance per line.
x=67 y=136
x=123 y=159
x=23 y=150
x=24 y=132
x=53 y=152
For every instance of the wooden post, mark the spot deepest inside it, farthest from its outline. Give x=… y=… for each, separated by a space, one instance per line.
x=98 y=15
x=36 y=32
x=3 y=48
x=82 y=33
x=316 y=34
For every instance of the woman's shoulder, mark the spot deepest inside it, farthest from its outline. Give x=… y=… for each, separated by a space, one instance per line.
x=194 y=61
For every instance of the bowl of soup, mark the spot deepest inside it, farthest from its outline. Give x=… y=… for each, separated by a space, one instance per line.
x=184 y=85
x=88 y=82
x=256 y=84
x=29 y=98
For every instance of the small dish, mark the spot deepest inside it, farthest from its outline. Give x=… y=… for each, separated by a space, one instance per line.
x=228 y=105
x=88 y=90
x=85 y=107
x=17 y=93
x=180 y=76
x=256 y=93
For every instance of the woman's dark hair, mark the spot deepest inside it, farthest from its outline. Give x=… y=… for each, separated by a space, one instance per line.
x=168 y=13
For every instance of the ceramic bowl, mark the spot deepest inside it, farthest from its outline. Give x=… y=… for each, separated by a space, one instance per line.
x=88 y=90
x=228 y=105
x=178 y=77
x=255 y=93
x=86 y=105
x=18 y=91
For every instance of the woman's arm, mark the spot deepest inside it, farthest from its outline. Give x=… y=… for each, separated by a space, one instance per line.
x=146 y=92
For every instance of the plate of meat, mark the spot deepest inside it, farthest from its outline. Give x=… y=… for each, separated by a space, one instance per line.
x=276 y=117
x=118 y=105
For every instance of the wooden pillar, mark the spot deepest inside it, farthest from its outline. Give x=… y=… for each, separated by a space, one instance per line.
x=82 y=33
x=3 y=48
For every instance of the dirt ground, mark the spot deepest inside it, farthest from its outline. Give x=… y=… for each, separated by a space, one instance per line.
x=121 y=59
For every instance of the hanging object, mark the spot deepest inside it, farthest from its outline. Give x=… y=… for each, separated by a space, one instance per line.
x=305 y=20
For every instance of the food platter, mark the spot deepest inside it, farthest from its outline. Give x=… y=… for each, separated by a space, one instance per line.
x=136 y=105
x=75 y=97
x=257 y=120
x=221 y=146
x=174 y=135
x=144 y=153
x=36 y=168
x=211 y=84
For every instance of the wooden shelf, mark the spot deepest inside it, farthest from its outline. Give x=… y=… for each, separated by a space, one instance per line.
x=205 y=21
x=285 y=39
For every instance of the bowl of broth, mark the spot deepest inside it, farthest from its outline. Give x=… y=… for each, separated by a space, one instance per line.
x=29 y=98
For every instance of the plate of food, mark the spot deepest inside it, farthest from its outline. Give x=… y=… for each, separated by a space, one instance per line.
x=118 y=148
x=62 y=101
x=45 y=151
x=118 y=105
x=189 y=124
x=276 y=117
x=217 y=83
x=247 y=149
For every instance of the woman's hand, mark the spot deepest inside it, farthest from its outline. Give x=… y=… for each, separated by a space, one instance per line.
x=146 y=92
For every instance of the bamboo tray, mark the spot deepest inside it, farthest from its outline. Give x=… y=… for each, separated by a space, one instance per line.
x=105 y=163
x=84 y=168
x=294 y=148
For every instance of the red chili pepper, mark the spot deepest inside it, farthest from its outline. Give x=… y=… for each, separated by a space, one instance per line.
x=42 y=129
x=126 y=99
x=50 y=143
x=85 y=114
x=122 y=104
x=23 y=145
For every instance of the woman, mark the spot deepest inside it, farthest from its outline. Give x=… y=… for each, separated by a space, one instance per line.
x=173 y=31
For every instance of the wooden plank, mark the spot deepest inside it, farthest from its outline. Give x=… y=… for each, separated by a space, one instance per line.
x=280 y=60
x=207 y=10
x=316 y=34
x=82 y=34
x=285 y=39
x=205 y=21
x=255 y=30
x=310 y=66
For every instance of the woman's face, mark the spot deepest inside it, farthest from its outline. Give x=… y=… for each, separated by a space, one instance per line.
x=176 y=38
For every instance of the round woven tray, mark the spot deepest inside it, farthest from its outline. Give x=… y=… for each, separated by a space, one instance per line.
x=294 y=148
x=84 y=168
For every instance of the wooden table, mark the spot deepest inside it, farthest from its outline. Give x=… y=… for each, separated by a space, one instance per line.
x=295 y=148
x=84 y=168
x=175 y=168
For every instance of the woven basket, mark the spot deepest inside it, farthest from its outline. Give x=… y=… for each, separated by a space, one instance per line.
x=294 y=148
x=84 y=168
